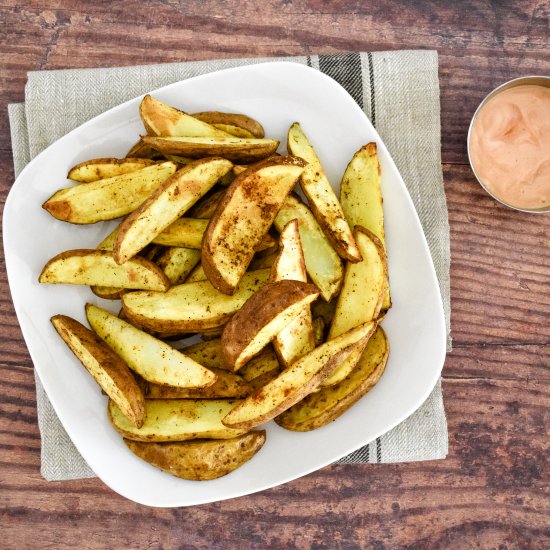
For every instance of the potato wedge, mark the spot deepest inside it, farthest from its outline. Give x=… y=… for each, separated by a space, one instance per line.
x=161 y=119
x=197 y=275
x=296 y=339
x=208 y=354
x=177 y=420
x=262 y=317
x=266 y=361
x=297 y=381
x=166 y=204
x=227 y=385
x=321 y=197
x=190 y=307
x=243 y=218
x=109 y=198
x=235 y=124
x=109 y=371
x=326 y=405
x=179 y=160
x=319 y=326
x=232 y=148
x=200 y=460
x=205 y=208
x=98 y=267
x=152 y=359
x=361 y=196
x=322 y=263
x=103 y=168
x=177 y=263
x=142 y=150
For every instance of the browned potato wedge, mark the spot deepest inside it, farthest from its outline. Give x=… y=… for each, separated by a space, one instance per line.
x=361 y=297
x=98 y=267
x=243 y=218
x=103 y=168
x=235 y=124
x=200 y=460
x=239 y=169
x=152 y=359
x=179 y=160
x=265 y=362
x=205 y=208
x=262 y=317
x=299 y=380
x=232 y=148
x=227 y=385
x=177 y=420
x=142 y=150
x=166 y=204
x=109 y=198
x=211 y=334
x=321 y=196
x=177 y=263
x=108 y=292
x=160 y=119
x=322 y=263
x=197 y=275
x=261 y=261
x=326 y=405
x=190 y=307
x=108 y=370
x=296 y=339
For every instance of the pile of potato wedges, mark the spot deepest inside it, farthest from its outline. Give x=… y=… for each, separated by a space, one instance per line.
x=286 y=294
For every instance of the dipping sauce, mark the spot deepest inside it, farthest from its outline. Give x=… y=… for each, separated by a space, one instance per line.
x=510 y=146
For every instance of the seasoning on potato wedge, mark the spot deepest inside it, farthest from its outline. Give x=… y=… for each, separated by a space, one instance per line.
x=152 y=359
x=235 y=124
x=178 y=262
x=109 y=371
x=200 y=460
x=177 y=420
x=297 y=381
x=243 y=218
x=109 y=198
x=327 y=404
x=103 y=168
x=98 y=267
x=166 y=204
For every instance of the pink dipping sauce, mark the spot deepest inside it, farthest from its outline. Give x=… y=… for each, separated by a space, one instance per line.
x=510 y=146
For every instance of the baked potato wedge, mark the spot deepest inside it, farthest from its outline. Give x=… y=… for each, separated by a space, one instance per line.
x=297 y=381
x=208 y=353
x=243 y=217
x=103 y=168
x=108 y=292
x=141 y=150
x=109 y=370
x=152 y=359
x=322 y=263
x=98 y=268
x=197 y=275
x=167 y=203
x=177 y=420
x=205 y=208
x=200 y=460
x=230 y=147
x=227 y=385
x=321 y=197
x=235 y=124
x=326 y=405
x=190 y=307
x=109 y=198
x=161 y=119
x=361 y=196
x=262 y=317
x=296 y=339
x=177 y=263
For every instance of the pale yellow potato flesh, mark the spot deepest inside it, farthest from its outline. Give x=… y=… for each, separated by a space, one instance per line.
x=108 y=292
x=197 y=275
x=98 y=268
x=102 y=168
x=322 y=263
x=152 y=359
x=296 y=339
x=321 y=197
x=190 y=307
x=361 y=196
x=243 y=218
x=107 y=369
x=208 y=354
x=177 y=420
x=200 y=460
x=205 y=208
x=327 y=404
x=161 y=119
x=297 y=381
x=177 y=263
x=264 y=362
x=109 y=198
x=233 y=123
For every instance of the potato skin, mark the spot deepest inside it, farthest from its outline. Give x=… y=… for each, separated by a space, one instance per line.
x=232 y=119
x=257 y=312
x=200 y=460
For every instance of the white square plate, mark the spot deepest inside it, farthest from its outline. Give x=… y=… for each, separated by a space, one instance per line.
x=276 y=94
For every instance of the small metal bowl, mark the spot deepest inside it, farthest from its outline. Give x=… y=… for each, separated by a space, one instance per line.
x=522 y=81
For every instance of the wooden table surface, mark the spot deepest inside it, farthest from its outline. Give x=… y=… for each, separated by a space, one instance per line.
x=493 y=489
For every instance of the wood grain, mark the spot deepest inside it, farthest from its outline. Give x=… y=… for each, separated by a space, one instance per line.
x=493 y=490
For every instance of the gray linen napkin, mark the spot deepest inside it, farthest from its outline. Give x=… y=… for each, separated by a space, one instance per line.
x=398 y=91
